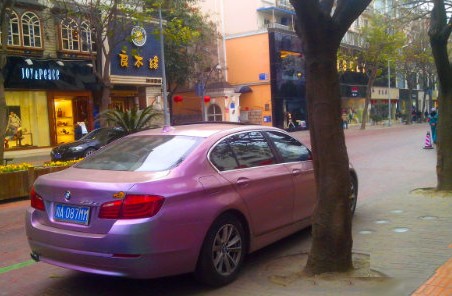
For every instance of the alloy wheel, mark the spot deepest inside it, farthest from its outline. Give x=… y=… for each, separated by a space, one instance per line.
x=227 y=249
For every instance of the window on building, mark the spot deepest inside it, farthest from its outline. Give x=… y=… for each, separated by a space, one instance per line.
x=284 y=21
x=14 y=32
x=75 y=37
x=24 y=31
x=88 y=43
x=214 y=113
x=70 y=35
x=31 y=30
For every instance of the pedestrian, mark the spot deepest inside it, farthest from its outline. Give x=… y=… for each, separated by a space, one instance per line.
x=350 y=115
x=80 y=130
x=433 y=121
x=344 y=120
x=290 y=123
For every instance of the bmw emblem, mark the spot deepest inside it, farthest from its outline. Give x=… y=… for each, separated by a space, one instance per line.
x=67 y=195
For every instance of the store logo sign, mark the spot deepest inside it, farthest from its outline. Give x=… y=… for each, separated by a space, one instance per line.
x=138 y=35
x=40 y=74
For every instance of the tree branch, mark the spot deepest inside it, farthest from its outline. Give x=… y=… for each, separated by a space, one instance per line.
x=347 y=11
x=440 y=28
x=327 y=6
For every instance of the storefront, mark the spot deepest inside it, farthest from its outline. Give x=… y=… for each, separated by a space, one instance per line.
x=136 y=68
x=46 y=98
x=288 y=83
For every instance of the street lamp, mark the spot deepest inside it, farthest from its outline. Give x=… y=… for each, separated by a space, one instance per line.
x=166 y=114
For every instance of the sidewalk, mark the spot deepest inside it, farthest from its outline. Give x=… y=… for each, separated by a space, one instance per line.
x=407 y=240
x=440 y=283
x=33 y=156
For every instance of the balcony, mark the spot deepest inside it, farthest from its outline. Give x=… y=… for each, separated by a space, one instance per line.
x=277 y=14
x=280 y=26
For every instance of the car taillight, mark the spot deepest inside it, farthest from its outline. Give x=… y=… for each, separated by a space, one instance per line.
x=132 y=207
x=110 y=210
x=36 y=200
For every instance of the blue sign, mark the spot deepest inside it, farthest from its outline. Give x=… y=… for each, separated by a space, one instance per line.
x=128 y=59
x=267 y=119
x=263 y=76
x=199 y=89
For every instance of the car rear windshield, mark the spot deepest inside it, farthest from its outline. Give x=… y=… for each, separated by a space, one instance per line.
x=142 y=153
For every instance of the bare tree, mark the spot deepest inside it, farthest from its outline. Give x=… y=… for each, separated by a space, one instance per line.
x=321 y=25
x=382 y=40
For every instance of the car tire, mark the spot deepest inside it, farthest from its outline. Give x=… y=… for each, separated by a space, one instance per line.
x=222 y=253
x=89 y=152
x=354 y=193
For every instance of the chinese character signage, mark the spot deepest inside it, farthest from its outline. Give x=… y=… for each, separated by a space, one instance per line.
x=138 y=53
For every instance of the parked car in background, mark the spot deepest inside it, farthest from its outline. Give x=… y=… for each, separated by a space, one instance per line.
x=184 y=199
x=86 y=145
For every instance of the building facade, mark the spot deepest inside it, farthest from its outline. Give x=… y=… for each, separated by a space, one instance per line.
x=260 y=50
x=49 y=81
x=261 y=62
x=50 y=84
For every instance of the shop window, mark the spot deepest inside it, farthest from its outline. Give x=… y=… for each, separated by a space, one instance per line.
x=28 y=121
x=31 y=30
x=214 y=113
x=64 y=120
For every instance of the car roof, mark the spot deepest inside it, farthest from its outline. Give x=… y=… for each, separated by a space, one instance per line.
x=204 y=129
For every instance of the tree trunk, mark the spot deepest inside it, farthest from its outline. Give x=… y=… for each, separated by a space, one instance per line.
x=3 y=117
x=439 y=34
x=321 y=26
x=4 y=25
x=370 y=83
x=444 y=142
x=409 y=105
x=106 y=100
x=331 y=230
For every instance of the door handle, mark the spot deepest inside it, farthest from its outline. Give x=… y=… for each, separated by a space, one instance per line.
x=296 y=172
x=242 y=182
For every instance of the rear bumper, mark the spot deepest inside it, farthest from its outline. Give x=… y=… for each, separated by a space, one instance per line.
x=142 y=267
x=134 y=254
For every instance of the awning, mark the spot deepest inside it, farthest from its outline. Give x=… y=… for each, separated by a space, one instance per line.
x=243 y=89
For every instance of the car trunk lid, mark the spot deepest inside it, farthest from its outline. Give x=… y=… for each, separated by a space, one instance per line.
x=74 y=205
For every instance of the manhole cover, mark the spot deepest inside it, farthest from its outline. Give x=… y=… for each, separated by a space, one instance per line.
x=400 y=229
x=428 y=218
x=397 y=211
x=365 y=232
x=381 y=222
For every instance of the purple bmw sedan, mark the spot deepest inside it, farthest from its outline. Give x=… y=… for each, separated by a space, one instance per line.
x=185 y=199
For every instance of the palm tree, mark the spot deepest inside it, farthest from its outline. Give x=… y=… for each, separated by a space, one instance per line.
x=132 y=120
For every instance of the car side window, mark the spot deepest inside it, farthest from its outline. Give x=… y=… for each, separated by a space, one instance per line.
x=244 y=150
x=291 y=150
x=251 y=150
x=222 y=157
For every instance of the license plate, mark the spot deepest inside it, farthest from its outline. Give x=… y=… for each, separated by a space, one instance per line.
x=72 y=214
